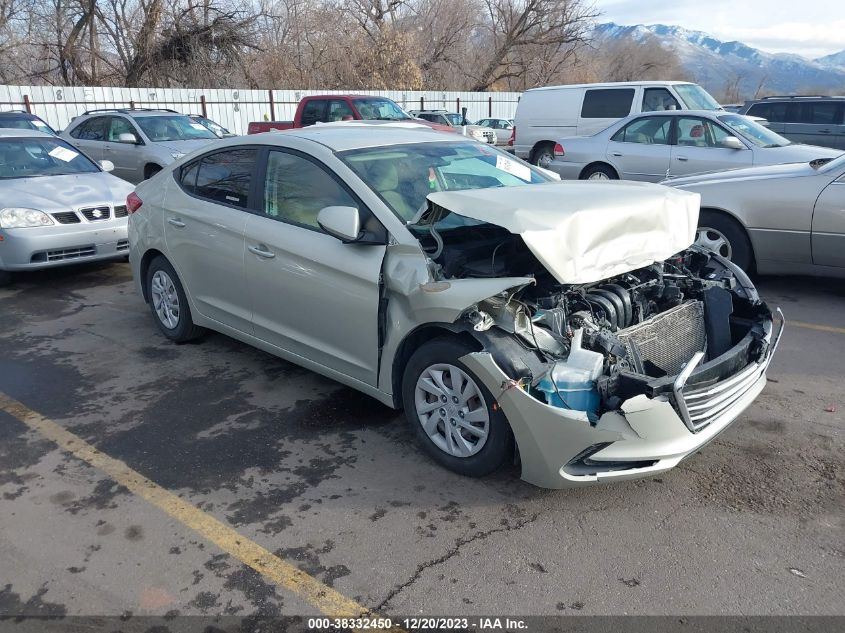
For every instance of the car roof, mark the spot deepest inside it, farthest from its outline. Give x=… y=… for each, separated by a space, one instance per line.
x=9 y=132
x=17 y=114
x=343 y=137
x=612 y=84
x=704 y=113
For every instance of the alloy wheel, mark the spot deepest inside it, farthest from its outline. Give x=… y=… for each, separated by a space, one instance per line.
x=165 y=299
x=714 y=240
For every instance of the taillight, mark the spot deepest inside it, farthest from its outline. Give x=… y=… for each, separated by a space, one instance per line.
x=559 y=150
x=512 y=139
x=133 y=202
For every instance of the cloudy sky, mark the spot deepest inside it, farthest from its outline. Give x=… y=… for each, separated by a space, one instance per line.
x=812 y=28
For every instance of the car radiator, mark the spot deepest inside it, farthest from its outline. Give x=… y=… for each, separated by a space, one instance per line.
x=668 y=340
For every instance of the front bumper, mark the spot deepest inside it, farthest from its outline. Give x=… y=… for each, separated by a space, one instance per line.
x=46 y=247
x=560 y=448
x=567 y=170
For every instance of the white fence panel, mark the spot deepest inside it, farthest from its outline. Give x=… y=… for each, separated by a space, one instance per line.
x=232 y=108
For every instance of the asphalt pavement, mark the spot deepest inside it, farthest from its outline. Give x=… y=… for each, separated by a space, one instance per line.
x=189 y=456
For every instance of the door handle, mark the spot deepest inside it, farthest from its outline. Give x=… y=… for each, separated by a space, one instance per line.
x=616 y=153
x=261 y=251
x=176 y=222
x=683 y=158
x=824 y=131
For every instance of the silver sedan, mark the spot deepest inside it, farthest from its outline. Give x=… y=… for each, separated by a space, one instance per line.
x=654 y=146
x=782 y=219
x=57 y=206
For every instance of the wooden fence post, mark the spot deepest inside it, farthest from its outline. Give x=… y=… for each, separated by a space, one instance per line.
x=203 y=107
x=272 y=106
x=27 y=104
x=490 y=107
x=422 y=103
x=458 y=105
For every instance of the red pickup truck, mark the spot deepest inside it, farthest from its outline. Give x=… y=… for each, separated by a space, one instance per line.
x=328 y=108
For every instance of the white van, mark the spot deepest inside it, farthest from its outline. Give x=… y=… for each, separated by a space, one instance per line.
x=545 y=115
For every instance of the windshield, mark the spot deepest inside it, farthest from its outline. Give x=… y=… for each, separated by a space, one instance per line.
x=25 y=123
x=695 y=97
x=380 y=110
x=30 y=157
x=753 y=131
x=403 y=175
x=218 y=129
x=173 y=128
x=456 y=120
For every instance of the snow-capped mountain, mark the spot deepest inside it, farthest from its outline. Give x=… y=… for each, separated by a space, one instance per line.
x=716 y=64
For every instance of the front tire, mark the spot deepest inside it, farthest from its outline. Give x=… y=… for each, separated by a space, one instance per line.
x=452 y=413
x=169 y=303
x=724 y=235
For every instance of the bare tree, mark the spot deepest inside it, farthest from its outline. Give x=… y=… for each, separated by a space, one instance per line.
x=637 y=60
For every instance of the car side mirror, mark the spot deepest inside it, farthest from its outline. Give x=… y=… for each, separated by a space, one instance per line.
x=732 y=142
x=106 y=165
x=127 y=137
x=344 y=223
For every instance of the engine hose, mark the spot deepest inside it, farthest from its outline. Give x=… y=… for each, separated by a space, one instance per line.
x=625 y=295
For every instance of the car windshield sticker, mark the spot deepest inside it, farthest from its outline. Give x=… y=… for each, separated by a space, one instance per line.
x=523 y=172
x=198 y=126
x=63 y=153
x=39 y=123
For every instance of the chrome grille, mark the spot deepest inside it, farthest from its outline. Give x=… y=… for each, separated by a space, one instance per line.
x=96 y=214
x=669 y=339
x=66 y=217
x=699 y=406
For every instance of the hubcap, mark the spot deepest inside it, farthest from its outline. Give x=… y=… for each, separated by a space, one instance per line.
x=165 y=299
x=452 y=410
x=598 y=175
x=544 y=160
x=714 y=240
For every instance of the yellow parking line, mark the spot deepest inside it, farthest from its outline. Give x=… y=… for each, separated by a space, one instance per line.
x=323 y=597
x=819 y=328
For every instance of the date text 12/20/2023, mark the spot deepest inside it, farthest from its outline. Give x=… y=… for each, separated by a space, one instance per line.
x=417 y=623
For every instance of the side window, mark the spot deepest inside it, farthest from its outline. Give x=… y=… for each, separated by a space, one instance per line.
x=296 y=189
x=655 y=99
x=607 y=103
x=91 y=130
x=338 y=110
x=822 y=113
x=225 y=176
x=188 y=177
x=117 y=126
x=653 y=130
x=314 y=111
x=715 y=134
x=695 y=132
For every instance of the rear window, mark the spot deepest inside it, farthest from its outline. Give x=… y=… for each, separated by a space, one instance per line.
x=607 y=103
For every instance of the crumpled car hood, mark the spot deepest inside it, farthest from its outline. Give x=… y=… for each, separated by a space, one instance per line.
x=584 y=232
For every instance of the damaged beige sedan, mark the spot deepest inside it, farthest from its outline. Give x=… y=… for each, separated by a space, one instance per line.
x=571 y=327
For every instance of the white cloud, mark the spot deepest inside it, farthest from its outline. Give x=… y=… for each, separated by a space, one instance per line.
x=810 y=29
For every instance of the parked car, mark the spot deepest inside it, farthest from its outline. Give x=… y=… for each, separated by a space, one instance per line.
x=782 y=219
x=503 y=128
x=545 y=115
x=438 y=274
x=457 y=122
x=814 y=120
x=139 y=142
x=652 y=147
x=219 y=130
x=20 y=120
x=57 y=206
x=333 y=108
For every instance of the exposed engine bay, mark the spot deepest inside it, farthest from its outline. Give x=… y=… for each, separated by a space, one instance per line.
x=588 y=347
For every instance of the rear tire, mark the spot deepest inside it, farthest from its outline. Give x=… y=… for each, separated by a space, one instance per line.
x=725 y=236
x=599 y=172
x=169 y=303
x=150 y=171
x=543 y=155
x=452 y=413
